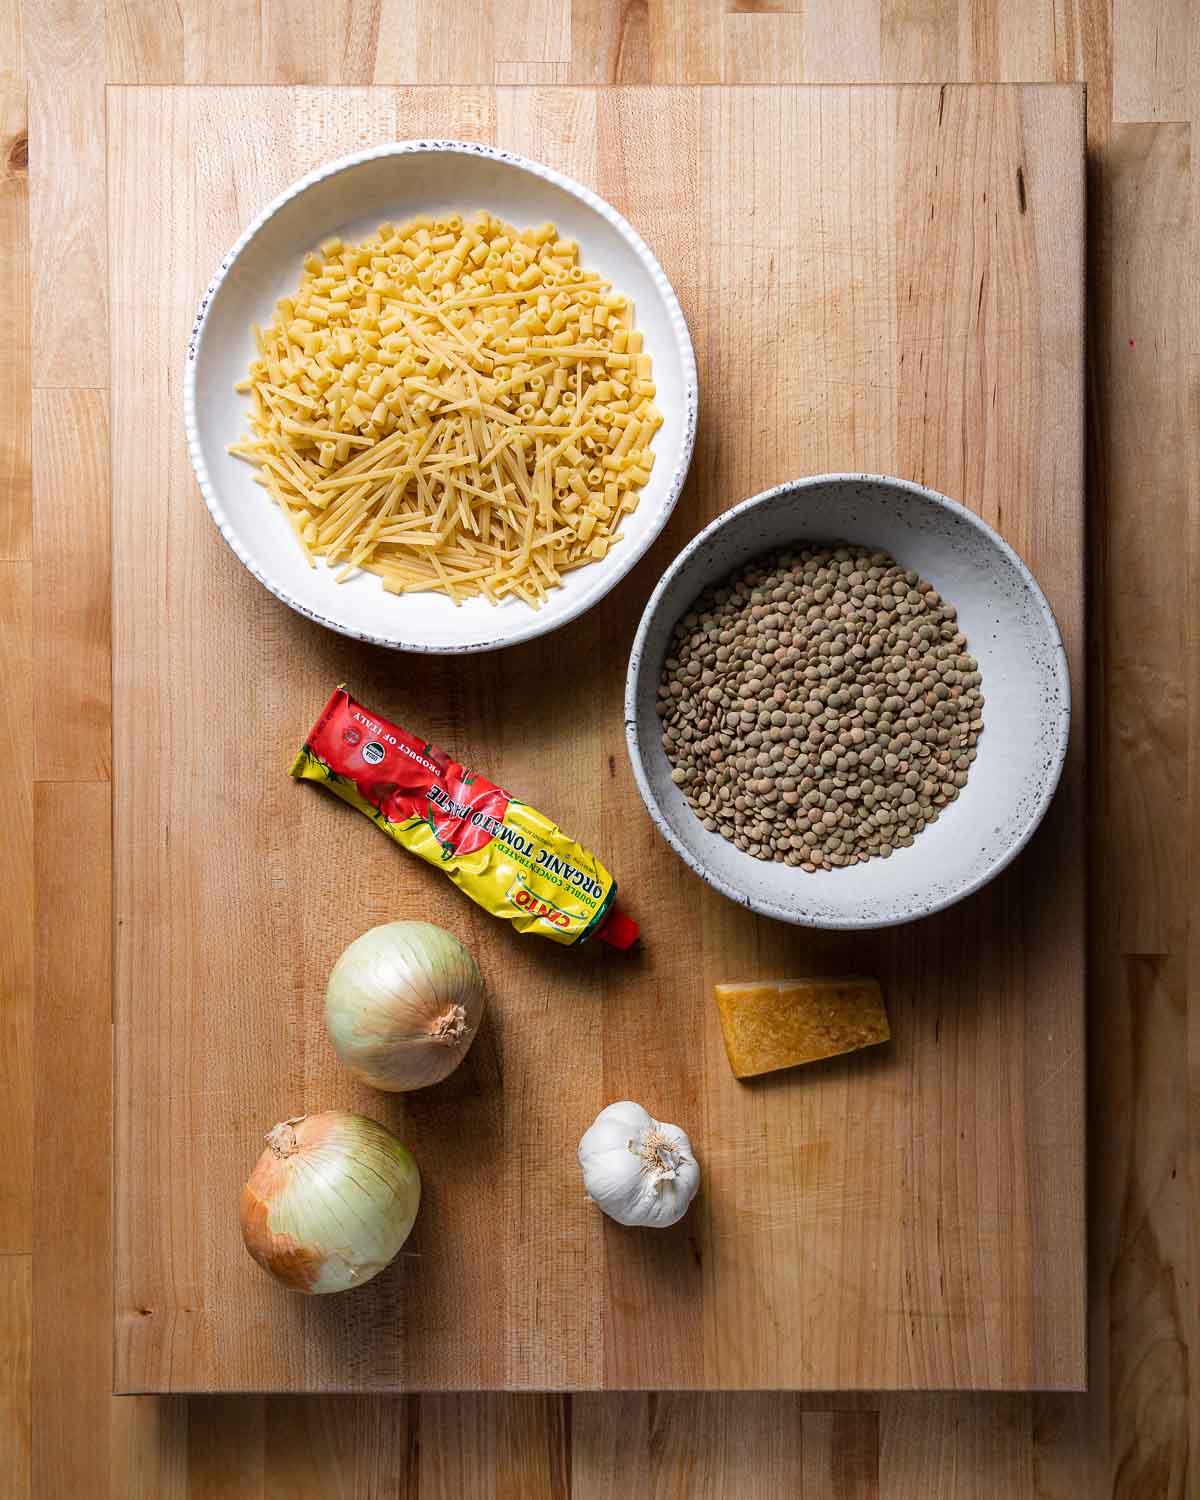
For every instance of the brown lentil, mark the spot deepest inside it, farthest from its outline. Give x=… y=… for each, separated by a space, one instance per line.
x=819 y=706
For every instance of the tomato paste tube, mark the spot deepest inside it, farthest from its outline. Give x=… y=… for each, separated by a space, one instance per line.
x=511 y=860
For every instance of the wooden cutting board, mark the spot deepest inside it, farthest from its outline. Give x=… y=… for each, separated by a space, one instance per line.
x=883 y=279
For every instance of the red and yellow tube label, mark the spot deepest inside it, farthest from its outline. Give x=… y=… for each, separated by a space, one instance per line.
x=509 y=858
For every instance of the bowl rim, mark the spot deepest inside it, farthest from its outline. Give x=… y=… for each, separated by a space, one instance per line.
x=626 y=559
x=637 y=655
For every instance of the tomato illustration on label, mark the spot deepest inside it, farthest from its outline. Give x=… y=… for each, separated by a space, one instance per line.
x=395 y=801
x=439 y=757
x=464 y=835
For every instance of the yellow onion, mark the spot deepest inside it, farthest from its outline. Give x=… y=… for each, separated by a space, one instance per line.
x=330 y=1201
x=403 y=1004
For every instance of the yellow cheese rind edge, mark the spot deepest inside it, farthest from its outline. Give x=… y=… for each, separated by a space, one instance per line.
x=728 y=1029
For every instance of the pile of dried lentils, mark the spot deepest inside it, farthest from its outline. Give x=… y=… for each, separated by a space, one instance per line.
x=820 y=706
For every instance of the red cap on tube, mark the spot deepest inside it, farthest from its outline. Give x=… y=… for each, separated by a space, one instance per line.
x=618 y=929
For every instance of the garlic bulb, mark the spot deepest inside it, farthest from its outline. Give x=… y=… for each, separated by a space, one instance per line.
x=639 y=1170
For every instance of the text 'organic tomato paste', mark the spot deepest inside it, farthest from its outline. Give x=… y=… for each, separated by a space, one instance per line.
x=513 y=861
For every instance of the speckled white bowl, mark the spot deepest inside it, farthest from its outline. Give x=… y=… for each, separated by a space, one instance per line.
x=351 y=197
x=1027 y=712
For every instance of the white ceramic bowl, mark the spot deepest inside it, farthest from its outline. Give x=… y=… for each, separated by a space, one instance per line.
x=1010 y=629
x=351 y=197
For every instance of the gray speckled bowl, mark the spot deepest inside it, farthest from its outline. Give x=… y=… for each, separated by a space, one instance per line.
x=1010 y=629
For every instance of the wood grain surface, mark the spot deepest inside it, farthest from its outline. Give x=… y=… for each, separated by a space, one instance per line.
x=1130 y=1435
x=911 y=1218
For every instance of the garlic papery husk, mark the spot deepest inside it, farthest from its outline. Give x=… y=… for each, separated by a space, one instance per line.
x=330 y=1201
x=639 y=1170
x=403 y=1005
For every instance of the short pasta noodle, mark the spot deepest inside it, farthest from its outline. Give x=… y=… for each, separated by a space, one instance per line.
x=455 y=405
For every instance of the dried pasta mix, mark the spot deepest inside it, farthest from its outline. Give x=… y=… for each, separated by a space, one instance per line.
x=456 y=406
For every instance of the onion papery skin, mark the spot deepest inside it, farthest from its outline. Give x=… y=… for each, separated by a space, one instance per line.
x=330 y=1201
x=402 y=1006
